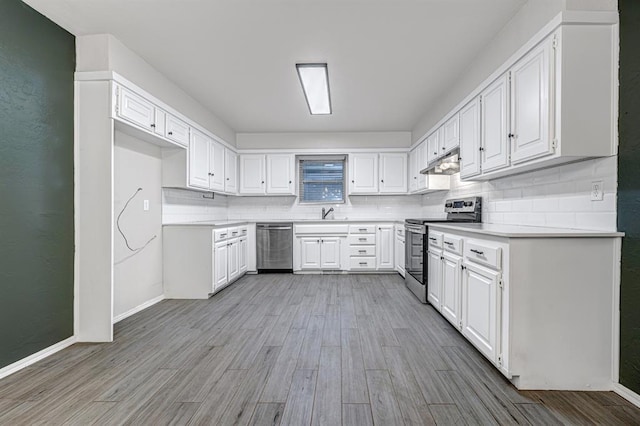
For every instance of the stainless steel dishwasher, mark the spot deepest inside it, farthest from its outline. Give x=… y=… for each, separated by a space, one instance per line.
x=275 y=247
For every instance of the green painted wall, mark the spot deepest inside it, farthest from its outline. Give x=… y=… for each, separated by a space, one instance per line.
x=629 y=193
x=37 y=61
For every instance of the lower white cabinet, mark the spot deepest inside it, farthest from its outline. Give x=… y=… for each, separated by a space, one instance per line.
x=320 y=252
x=434 y=286
x=330 y=253
x=201 y=260
x=384 y=247
x=450 y=296
x=399 y=249
x=480 y=308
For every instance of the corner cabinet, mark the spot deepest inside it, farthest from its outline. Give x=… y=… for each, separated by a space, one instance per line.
x=270 y=174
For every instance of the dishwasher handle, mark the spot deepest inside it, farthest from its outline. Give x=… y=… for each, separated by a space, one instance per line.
x=276 y=228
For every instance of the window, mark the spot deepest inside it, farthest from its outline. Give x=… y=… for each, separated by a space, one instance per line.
x=321 y=179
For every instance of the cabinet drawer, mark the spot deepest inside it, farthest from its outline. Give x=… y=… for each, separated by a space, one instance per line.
x=243 y=231
x=362 y=229
x=362 y=263
x=484 y=254
x=452 y=244
x=363 y=239
x=220 y=234
x=435 y=239
x=234 y=232
x=362 y=251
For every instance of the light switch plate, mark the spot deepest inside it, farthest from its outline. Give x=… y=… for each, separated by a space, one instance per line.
x=146 y=205
x=597 y=191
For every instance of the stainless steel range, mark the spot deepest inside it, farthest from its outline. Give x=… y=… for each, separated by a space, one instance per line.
x=417 y=231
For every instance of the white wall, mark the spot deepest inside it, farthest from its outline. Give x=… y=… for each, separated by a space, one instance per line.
x=327 y=140
x=558 y=197
x=104 y=52
x=137 y=274
x=179 y=205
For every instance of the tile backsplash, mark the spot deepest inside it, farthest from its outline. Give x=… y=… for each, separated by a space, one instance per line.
x=558 y=197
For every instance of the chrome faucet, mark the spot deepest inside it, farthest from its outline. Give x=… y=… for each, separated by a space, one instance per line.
x=326 y=213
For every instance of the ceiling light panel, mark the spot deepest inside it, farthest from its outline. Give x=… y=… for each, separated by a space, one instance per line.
x=315 y=84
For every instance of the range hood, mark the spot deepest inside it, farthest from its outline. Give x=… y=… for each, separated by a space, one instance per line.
x=448 y=165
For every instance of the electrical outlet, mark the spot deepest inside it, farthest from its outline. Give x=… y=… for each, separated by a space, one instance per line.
x=597 y=191
x=145 y=205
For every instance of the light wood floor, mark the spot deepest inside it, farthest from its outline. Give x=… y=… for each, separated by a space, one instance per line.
x=290 y=350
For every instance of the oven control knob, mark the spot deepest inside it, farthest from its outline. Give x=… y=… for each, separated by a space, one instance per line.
x=468 y=203
x=449 y=205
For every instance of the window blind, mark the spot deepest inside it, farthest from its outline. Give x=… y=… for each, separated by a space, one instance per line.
x=321 y=179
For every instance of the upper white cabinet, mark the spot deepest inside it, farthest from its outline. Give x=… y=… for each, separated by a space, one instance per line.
x=433 y=147
x=271 y=174
x=216 y=166
x=393 y=173
x=252 y=174
x=530 y=105
x=175 y=130
x=384 y=173
x=494 y=140
x=135 y=109
x=363 y=173
x=470 y=139
x=230 y=171
x=280 y=174
x=450 y=134
x=199 y=172
x=419 y=183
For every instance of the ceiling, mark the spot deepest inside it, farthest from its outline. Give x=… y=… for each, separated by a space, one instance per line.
x=389 y=60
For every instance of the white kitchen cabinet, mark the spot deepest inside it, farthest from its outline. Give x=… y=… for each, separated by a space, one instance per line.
x=175 y=129
x=495 y=125
x=480 y=308
x=413 y=170
x=384 y=247
x=135 y=109
x=433 y=146
x=530 y=105
x=393 y=173
x=234 y=259
x=243 y=254
x=470 y=139
x=216 y=167
x=421 y=158
x=330 y=253
x=199 y=172
x=434 y=286
x=280 y=174
x=399 y=252
x=450 y=296
x=220 y=265
x=310 y=253
x=363 y=173
x=252 y=174
x=160 y=127
x=450 y=134
x=230 y=171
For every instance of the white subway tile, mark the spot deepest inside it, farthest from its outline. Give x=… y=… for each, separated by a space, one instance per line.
x=596 y=220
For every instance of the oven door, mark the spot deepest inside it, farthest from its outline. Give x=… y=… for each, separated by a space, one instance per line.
x=415 y=243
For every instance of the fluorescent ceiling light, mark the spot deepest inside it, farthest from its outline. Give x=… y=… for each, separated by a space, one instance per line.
x=315 y=84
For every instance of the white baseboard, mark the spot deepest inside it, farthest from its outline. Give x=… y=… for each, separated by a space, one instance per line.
x=32 y=359
x=138 y=308
x=627 y=394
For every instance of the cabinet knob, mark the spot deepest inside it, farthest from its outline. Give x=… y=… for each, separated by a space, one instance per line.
x=262 y=182
x=353 y=181
x=382 y=180
x=153 y=125
x=435 y=153
x=481 y=149
x=511 y=135
x=443 y=148
x=289 y=181
x=227 y=178
x=170 y=133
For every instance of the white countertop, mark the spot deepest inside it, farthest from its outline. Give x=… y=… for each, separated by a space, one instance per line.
x=520 y=231
x=237 y=222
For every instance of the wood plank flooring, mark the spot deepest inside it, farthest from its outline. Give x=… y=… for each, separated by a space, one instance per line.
x=289 y=350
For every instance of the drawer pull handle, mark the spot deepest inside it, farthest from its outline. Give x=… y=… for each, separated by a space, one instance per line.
x=449 y=243
x=223 y=235
x=362 y=239
x=362 y=229
x=433 y=239
x=363 y=263
x=478 y=252
x=362 y=251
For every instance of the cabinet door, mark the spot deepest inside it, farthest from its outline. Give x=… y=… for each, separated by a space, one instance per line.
x=230 y=171
x=384 y=247
x=421 y=157
x=530 y=105
x=451 y=134
x=136 y=109
x=413 y=170
x=216 y=167
x=450 y=296
x=433 y=146
x=363 y=170
x=470 y=139
x=221 y=260
x=280 y=173
x=199 y=173
x=234 y=259
x=176 y=130
x=480 y=309
x=495 y=141
x=159 y=120
x=309 y=253
x=252 y=174
x=434 y=282
x=399 y=255
x=243 y=251
x=330 y=253
x=393 y=173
